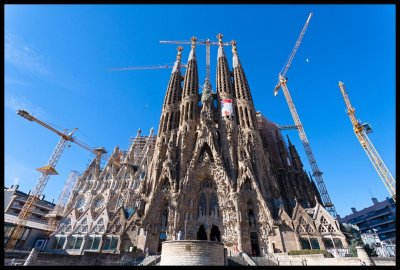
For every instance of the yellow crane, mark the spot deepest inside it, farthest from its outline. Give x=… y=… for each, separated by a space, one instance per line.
x=361 y=131
x=327 y=203
x=46 y=171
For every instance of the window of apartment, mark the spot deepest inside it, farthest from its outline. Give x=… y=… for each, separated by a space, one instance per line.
x=58 y=242
x=75 y=242
x=110 y=243
x=8 y=229
x=93 y=242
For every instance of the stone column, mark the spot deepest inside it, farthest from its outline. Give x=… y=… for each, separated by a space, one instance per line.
x=238 y=229
x=32 y=257
x=363 y=256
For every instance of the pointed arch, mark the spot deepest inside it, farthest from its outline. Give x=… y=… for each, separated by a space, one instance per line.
x=205 y=150
x=201 y=233
x=215 y=234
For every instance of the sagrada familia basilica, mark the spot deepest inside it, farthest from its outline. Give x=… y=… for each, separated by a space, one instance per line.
x=217 y=170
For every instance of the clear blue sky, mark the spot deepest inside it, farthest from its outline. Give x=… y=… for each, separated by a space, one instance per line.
x=57 y=61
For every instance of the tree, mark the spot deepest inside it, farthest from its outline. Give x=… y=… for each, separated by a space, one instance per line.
x=353 y=237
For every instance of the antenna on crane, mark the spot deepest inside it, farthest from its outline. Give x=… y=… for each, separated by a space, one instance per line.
x=361 y=131
x=310 y=156
x=46 y=171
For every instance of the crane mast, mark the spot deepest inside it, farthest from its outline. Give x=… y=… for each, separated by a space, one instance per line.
x=327 y=203
x=361 y=131
x=26 y=210
x=310 y=156
x=46 y=171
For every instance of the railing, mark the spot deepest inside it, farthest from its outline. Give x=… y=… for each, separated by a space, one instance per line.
x=339 y=252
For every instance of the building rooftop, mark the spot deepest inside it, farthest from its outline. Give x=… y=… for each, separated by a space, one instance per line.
x=376 y=206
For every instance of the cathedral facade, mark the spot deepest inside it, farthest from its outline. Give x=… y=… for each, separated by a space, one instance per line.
x=217 y=170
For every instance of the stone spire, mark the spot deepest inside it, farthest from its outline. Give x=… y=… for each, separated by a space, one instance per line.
x=224 y=83
x=227 y=109
x=170 y=113
x=245 y=107
x=189 y=109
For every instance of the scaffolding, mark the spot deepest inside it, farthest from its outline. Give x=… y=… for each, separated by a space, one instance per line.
x=55 y=215
x=142 y=147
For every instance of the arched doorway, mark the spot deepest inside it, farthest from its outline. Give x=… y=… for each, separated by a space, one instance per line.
x=215 y=234
x=255 y=247
x=201 y=233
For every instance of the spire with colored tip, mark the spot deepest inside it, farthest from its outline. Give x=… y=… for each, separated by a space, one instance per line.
x=192 y=53
x=172 y=99
x=235 y=61
x=178 y=60
x=221 y=52
x=189 y=109
x=245 y=111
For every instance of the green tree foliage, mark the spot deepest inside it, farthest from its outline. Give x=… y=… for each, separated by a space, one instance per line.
x=353 y=237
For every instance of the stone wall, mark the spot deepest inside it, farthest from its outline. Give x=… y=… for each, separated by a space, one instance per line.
x=192 y=252
x=89 y=258
x=384 y=261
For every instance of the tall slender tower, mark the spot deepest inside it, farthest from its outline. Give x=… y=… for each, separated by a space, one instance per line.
x=190 y=112
x=226 y=116
x=169 y=122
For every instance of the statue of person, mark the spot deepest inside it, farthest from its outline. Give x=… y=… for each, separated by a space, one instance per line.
x=180 y=235
x=252 y=221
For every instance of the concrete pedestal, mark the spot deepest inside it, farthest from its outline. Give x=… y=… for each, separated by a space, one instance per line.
x=192 y=252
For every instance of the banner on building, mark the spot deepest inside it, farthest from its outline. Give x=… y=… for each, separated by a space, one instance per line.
x=226 y=107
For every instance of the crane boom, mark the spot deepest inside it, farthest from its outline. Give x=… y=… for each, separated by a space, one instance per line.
x=46 y=171
x=68 y=137
x=361 y=131
x=286 y=67
x=147 y=67
x=327 y=203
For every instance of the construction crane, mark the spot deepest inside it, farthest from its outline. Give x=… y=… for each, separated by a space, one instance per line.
x=46 y=171
x=146 y=67
x=206 y=42
x=286 y=127
x=361 y=131
x=327 y=203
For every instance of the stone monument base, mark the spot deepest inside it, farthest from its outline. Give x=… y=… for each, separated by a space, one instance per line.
x=192 y=252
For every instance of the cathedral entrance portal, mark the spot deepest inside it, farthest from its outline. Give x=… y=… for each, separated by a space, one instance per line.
x=215 y=234
x=201 y=233
x=255 y=247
